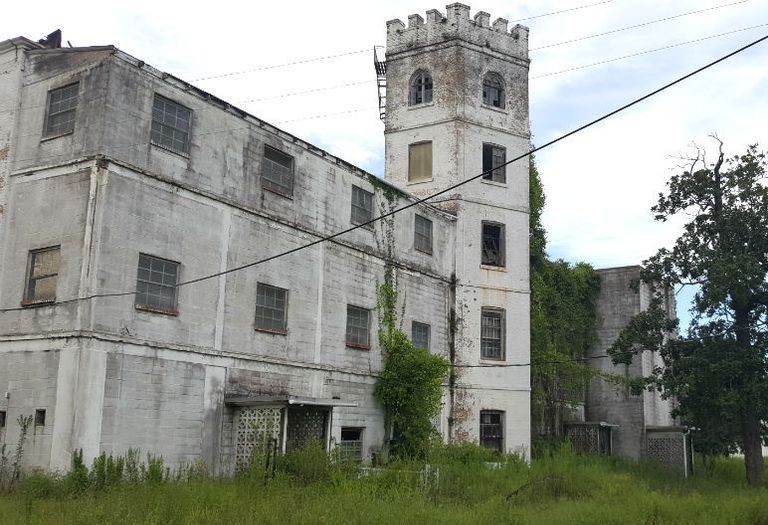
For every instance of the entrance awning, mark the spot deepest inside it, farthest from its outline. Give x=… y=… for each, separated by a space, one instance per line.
x=247 y=401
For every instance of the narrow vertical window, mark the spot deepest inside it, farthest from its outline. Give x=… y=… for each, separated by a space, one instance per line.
x=492 y=430
x=494 y=163
x=422 y=234
x=3 y=417
x=421 y=88
x=358 y=331
x=420 y=162
x=171 y=123
x=156 y=280
x=493 y=244
x=42 y=275
x=277 y=172
x=271 y=308
x=62 y=104
x=492 y=330
x=351 y=444
x=362 y=206
x=493 y=90
x=420 y=335
x=40 y=417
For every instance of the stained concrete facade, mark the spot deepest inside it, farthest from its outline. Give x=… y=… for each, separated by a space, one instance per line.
x=110 y=376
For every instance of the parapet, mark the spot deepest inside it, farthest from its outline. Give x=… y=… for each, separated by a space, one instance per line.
x=457 y=24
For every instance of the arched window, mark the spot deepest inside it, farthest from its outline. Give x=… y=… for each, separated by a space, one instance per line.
x=493 y=90
x=421 y=88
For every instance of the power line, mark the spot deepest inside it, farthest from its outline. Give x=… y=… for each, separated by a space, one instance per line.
x=423 y=200
x=561 y=11
x=635 y=26
x=308 y=91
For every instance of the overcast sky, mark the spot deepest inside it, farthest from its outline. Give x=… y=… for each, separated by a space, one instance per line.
x=599 y=184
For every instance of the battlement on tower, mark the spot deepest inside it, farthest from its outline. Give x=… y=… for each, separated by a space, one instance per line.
x=457 y=24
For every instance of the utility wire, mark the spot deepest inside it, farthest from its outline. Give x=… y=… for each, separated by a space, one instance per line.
x=423 y=200
x=561 y=11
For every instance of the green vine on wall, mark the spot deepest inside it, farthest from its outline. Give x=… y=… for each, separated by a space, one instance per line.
x=410 y=386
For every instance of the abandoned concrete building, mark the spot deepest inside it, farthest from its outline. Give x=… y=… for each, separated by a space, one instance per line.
x=120 y=185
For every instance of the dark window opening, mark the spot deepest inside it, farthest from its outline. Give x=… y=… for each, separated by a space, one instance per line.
x=3 y=416
x=62 y=104
x=42 y=275
x=156 y=280
x=271 y=308
x=492 y=332
x=422 y=235
x=420 y=333
x=171 y=123
x=40 y=417
x=493 y=90
x=351 y=444
x=421 y=88
x=362 y=206
x=493 y=244
x=494 y=158
x=492 y=430
x=358 y=335
x=277 y=172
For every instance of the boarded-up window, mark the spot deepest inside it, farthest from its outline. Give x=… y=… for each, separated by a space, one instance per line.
x=420 y=162
x=171 y=123
x=351 y=444
x=422 y=234
x=362 y=206
x=358 y=332
x=271 y=308
x=277 y=172
x=420 y=333
x=42 y=275
x=62 y=104
x=493 y=244
x=492 y=333
x=492 y=429
x=494 y=160
x=156 y=280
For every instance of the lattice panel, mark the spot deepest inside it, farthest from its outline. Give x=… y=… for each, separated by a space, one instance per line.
x=585 y=439
x=305 y=424
x=256 y=427
x=667 y=449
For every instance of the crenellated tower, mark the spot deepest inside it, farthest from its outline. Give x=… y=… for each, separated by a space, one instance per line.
x=456 y=106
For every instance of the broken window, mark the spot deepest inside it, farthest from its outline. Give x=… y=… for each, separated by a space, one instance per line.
x=493 y=244
x=358 y=327
x=42 y=275
x=277 y=172
x=493 y=90
x=492 y=333
x=421 y=88
x=362 y=206
x=351 y=444
x=494 y=158
x=492 y=429
x=420 y=335
x=171 y=123
x=422 y=234
x=420 y=162
x=156 y=280
x=62 y=103
x=271 y=308
x=40 y=417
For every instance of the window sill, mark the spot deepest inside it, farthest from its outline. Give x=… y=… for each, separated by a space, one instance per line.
x=492 y=360
x=494 y=183
x=411 y=183
x=170 y=150
x=493 y=268
x=154 y=310
x=421 y=105
x=358 y=347
x=36 y=304
x=496 y=109
x=367 y=227
x=280 y=193
x=58 y=136
x=271 y=332
x=423 y=252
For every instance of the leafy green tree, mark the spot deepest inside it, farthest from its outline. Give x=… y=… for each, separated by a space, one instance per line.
x=718 y=372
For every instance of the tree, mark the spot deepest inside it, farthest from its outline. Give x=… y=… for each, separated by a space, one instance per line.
x=718 y=372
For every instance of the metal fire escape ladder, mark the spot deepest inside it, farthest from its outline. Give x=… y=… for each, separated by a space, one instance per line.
x=381 y=81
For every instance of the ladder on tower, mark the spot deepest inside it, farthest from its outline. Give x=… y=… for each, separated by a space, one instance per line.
x=381 y=80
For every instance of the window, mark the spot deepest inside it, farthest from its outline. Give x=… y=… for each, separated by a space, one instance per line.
x=492 y=333
x=62 y=103
x=42 y=275
x=351 y=444
x=420 y=335
x=357 y=327
x=362 y=206
x=421 y=88
x=493 y=244
x=493 y=90
x=494 y=158
x=492 y=430
x=420 y=162
x=3 y=417
x=40 y=417
x=277 y=172
x=156 y=284
x=271 y=308
x=170 y=125
x=422 y=234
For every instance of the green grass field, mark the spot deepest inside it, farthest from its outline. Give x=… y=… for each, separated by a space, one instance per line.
x=563 y=488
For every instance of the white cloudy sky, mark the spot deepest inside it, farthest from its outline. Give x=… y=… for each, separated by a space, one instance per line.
x=599 y=184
